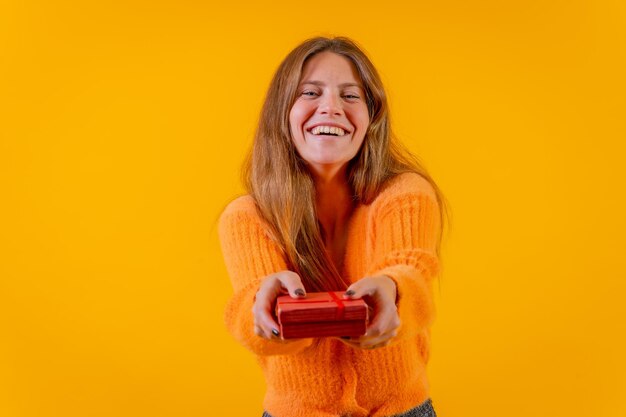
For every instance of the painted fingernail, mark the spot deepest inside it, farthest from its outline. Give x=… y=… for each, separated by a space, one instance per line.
x=300 y=292
x=275 y=332
x=350 y=292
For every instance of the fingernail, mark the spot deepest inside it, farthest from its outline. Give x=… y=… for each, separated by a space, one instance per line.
x=300 y=292
x=350 y=292
x=276 y=333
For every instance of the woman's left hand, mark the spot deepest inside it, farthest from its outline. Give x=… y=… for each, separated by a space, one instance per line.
x=379 y=292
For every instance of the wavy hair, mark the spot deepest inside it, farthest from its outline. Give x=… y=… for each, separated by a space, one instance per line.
x=277 y=178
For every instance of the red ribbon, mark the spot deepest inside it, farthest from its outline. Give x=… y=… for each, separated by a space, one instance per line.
x=340 y=305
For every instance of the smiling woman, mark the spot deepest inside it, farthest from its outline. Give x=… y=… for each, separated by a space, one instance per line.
x=334 y=204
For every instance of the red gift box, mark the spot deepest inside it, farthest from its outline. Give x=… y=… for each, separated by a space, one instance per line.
x=321 y=314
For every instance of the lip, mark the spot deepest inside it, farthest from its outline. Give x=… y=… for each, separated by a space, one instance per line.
x=345 y=129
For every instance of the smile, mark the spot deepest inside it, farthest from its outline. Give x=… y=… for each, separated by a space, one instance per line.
x=323 y=130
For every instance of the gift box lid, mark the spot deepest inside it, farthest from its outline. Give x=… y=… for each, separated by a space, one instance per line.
x=320 y=306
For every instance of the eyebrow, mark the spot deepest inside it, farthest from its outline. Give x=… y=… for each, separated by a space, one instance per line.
x=319 y=83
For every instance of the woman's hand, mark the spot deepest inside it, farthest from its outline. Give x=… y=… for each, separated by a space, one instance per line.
x=379 y=293
x=271 y=287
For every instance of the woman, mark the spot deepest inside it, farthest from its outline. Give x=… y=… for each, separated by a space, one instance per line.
x=334 y=204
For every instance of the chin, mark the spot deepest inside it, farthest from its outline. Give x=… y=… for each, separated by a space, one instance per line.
x=328 y=165
x=330 y=160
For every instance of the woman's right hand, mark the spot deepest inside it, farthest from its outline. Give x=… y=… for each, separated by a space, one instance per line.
x=271 y=287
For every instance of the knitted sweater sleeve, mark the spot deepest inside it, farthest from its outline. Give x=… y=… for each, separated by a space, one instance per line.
x=407 y=226
x=250 y=255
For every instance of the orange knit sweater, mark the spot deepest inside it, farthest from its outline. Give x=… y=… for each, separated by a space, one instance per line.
x=395 y=235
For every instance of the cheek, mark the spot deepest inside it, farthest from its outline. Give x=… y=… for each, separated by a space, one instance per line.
x=358 y=146
x=293 y=119
x=297 y=116
x=365 y=117
x=360 y=118
x=363 y=125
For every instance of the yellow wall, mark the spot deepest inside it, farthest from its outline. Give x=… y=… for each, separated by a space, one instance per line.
x=122 y=129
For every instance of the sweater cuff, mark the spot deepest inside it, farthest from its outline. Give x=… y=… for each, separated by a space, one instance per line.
x=414 y=299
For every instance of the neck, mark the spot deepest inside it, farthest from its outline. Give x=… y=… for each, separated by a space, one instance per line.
x=334 y=203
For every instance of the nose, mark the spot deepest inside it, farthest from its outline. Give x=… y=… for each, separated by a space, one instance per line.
x=330 y=104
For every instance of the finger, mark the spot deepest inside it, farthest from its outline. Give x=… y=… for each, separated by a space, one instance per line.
x=380 y=341
x=267 y=323
x=379 y=345
x=291 y=282
x=259 y=332
x=355 y=343
x=385 y=321
x=364 y=342
x=379 y=288
x=262 y=312
x=360 y=289
x=258 y=329
x=270 y=288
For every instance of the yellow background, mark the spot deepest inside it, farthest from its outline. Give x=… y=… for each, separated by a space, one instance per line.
x=122 y=128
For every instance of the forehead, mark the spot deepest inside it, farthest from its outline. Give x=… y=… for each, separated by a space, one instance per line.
x=330 y=67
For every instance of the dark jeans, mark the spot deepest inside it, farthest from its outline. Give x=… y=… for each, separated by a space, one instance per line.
x=423 y=410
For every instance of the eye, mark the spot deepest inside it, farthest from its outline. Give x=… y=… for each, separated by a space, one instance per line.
x=309 y=93
x=351 y=96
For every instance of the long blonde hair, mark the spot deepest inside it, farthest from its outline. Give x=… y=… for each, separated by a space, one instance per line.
x=281 y=184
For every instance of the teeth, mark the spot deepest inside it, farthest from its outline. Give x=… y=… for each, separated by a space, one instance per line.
x=328 y=129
